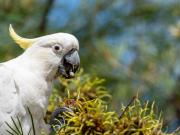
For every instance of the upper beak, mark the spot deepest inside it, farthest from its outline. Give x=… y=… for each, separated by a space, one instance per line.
x=71 y=63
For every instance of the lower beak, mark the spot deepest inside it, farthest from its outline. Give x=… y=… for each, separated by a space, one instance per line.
x=71 y=63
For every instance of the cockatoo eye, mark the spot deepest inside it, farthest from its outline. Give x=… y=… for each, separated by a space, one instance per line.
x=57 y=48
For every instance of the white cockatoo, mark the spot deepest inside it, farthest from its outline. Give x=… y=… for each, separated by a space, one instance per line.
x=26 y=81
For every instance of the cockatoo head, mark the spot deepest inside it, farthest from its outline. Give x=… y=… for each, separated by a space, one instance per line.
x=59 y=51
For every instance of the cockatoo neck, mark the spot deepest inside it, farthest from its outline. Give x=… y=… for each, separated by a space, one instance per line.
x=40 y=67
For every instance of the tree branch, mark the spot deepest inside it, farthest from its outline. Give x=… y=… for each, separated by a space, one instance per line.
x=43 y=23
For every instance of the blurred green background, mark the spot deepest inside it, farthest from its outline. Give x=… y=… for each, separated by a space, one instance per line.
x=133 y=44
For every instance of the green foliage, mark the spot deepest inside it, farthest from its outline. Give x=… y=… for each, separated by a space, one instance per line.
x=89 y=117
x=139 y=119
x=85 y=85
x=88 y=112
x=16 y=127
x=82 y=86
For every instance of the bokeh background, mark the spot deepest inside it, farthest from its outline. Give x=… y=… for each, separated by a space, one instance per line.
x=133 y=44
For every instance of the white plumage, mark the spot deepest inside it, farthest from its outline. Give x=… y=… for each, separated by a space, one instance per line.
x=26 y=81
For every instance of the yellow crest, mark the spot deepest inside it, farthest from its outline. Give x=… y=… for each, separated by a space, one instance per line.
x=22 y=42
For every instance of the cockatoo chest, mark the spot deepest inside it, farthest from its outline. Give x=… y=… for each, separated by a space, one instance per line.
x=34 y=92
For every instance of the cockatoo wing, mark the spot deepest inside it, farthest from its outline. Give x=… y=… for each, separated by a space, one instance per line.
x=8 y=96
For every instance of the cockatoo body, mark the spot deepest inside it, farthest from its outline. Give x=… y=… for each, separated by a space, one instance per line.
x=26 y=81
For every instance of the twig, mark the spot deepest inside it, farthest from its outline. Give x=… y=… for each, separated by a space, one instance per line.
x=127 y=107
x=177 y=131
x=42 y=25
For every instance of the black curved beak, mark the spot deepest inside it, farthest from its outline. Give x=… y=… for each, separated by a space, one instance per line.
x=71 y=63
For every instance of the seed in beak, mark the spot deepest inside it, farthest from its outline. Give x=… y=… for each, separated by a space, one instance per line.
x=71 y=74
